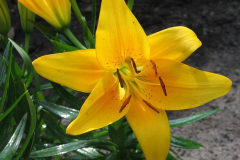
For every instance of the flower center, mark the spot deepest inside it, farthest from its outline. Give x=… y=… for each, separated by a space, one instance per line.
x=127 y=74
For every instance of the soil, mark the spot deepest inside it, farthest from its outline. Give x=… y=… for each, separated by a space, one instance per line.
x=217 y=24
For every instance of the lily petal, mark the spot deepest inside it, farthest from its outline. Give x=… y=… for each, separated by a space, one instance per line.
x=176 y=43
x=186 y=86
x=101 y=108
x=151 y=129
x=78 y=70
x=119 y=35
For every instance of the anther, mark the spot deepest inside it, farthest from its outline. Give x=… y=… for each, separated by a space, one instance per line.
x=134 y=65
x=163 y=85
x=154 y=67
x=125 y=103
x=150 y=105
x=120 y=78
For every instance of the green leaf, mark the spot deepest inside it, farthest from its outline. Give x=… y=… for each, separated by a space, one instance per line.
x=5 y=90
x=13 y=144
x=184 y=143
x=65 y=148
x=86 y=153
x=2 y=64
x=4 y=135
x=3 y=115
x=170 y=157
x=63 y=47
x=50 y=33
x=26 y=103
x=27 y=62
x=61 y=111
x=191 y=119
x=68 y=97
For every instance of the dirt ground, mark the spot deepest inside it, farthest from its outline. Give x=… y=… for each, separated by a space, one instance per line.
x=217 y=24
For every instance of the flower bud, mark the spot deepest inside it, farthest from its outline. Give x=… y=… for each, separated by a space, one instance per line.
x=55 y=12
x=5 y=21
x=25 y=15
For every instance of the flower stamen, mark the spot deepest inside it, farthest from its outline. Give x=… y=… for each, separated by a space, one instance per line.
x=125 y=103
x=150 y=106
x=134 y=65
x=163 y=86
x=120 y=78
x=154 y=67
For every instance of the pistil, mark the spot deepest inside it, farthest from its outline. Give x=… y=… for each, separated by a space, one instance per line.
x=132 y=67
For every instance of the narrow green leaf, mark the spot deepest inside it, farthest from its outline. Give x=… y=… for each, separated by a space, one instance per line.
x=191 y=119
x=3 y=115
x=170 y=157
x=61 y=111
x=184 y=143
x=4 y=96
x=27 y=62
x=2 y=64
x=13 y=144
x=27 y=101
x=4 y=135
x=65 y=148
x=63 y=47
x=68 y=97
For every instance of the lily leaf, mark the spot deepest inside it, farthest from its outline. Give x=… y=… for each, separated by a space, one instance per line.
x=184 y=143
x=2 y=63
x=65 y=148
x=63 y=47
x=68 y=97
x=61 y=111
x=27 y=61
x=191 y=119
x=13 y=144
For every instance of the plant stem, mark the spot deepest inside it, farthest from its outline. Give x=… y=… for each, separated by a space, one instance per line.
x=73 y=39
x=79 y=17
x=27 y=41
x=94 y=12
x=130 y=4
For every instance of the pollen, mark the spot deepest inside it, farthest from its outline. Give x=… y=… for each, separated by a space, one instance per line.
x=125 y=103
x=150 y=106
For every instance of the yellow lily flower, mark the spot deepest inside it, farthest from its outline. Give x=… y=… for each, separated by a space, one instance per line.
x=55 y=12
x=132 y=75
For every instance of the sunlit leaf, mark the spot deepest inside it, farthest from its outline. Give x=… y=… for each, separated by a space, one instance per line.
x=61 y=111
x=65 y=148
x=191 y=119
x=13 y=144
x=184 y=143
